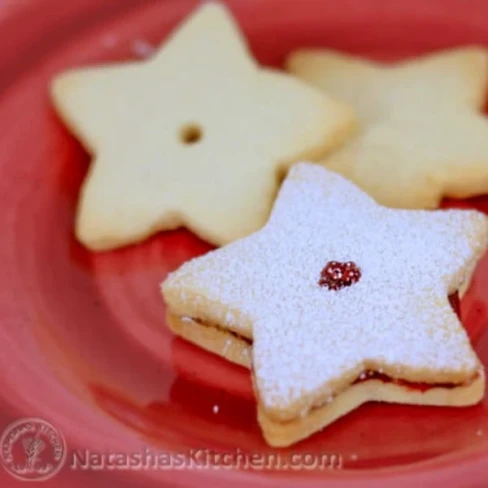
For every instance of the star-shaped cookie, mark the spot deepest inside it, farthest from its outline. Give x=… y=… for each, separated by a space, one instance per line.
x=421 y=135
x=199 y=135
x=311 y=343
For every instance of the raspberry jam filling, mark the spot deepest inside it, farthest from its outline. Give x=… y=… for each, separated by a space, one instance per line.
x=455 y=302
x=218 y=327
x=422 y=387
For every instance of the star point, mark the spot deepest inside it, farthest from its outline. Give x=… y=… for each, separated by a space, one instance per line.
x=195 y=136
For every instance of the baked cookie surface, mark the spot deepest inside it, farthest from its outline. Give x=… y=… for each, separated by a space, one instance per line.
x=312 y=342
x=421 y=136
x=196 y=136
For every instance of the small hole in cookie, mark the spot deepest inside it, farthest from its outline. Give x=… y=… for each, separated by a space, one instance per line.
x=191 y=134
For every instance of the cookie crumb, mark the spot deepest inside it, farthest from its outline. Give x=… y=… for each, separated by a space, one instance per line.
x=142 y=48
x=215 y=409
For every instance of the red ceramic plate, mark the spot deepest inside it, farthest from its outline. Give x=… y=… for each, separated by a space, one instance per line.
x=83 y=342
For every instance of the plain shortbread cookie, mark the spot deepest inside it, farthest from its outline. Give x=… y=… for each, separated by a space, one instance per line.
x=198 y=136
x=421 y=135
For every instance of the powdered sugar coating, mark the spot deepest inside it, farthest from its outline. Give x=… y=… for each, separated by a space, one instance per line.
x=307 y=339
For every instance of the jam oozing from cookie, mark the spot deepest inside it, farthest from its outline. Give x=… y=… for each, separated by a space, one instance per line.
x=374 y=375
x=337 y=275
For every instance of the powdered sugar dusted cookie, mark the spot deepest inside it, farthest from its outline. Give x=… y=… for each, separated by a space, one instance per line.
x=336 y=286
x=198 y=135
x=421 y=137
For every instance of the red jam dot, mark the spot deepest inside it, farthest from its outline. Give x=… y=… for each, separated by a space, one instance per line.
x=336 y=275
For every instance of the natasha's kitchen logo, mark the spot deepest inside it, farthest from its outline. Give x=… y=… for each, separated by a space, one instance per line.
x=32 y=449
